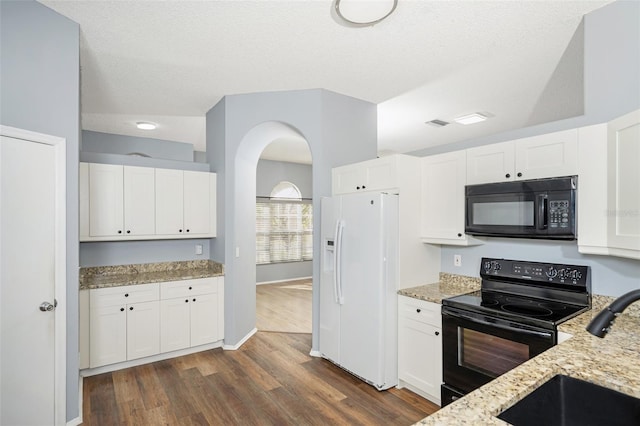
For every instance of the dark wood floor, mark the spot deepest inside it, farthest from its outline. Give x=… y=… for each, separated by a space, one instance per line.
x=270 y=380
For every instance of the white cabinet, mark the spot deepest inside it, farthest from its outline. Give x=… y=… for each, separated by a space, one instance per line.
x=371 y=175
x=399 y=174
x=609 y=178
x=420 y=347
x=123 y=323
x=142 y=203
x=443 y=199
x=120 y=200
x=183 y=204
x=549 y=155
x=191 y=313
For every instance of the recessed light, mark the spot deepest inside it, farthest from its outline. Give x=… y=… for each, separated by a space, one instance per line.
x=476 y=117
x=145 y=125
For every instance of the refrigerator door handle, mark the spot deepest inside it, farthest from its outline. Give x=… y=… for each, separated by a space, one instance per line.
x=337 y=270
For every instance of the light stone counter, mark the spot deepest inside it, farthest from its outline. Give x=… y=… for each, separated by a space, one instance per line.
x=449 y=285
x=612 y=362
x=144 y=273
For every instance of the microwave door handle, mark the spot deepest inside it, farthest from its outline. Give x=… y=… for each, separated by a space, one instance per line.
x=543 y=211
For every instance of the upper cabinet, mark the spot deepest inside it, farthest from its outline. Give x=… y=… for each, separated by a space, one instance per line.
x=550 y=155
x=372 y=175
x=138 y=203
x=609 y=178
x=443 y=200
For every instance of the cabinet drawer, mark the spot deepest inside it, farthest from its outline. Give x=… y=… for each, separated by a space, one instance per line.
x=420 y=310
x=124 y=295
x=172 y=289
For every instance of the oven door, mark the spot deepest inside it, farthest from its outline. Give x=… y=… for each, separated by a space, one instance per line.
x=478 y=348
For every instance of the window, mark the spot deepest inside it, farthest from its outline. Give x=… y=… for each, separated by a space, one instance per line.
x=284 y=226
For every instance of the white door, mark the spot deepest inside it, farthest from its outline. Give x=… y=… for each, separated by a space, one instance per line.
x=196 y=202
x=204 y=319
x=169 y=202
x=143 y=329
x=32 y=215
x=175 y=324
x=139 y=200
x=105 y=200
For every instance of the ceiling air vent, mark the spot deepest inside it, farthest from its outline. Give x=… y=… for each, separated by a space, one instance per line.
x=437 y=123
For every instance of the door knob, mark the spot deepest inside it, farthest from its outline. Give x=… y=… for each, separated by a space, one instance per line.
x=48 y=307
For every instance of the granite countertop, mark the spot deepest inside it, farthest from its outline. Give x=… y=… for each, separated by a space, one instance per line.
x=145 y=273
x=612 y=362
x=449 y=285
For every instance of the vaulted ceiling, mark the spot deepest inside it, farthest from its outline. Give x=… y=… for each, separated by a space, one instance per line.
x=169 y=62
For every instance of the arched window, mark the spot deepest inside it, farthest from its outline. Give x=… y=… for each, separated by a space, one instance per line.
x=284 y=226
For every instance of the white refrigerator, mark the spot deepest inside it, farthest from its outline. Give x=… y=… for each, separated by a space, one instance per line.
x=358 y=285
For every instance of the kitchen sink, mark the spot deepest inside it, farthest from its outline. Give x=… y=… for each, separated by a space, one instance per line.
x=566 y=401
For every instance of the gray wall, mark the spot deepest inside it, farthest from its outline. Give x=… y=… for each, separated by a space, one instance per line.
x=110 y=149
x=612 y=89
x=269 y=174
x=339 y=130
x=39 y=77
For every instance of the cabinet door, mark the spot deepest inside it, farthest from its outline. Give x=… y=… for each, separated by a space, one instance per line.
x=623 y=145
x=550 y=155
x=380 y=174
x=204 y=319
x=107 y=335
x=196 y=203
x=105 y=200
x=143 y=329
x=347 y=179
x=490 y=163
x=139 y=201
x=443 y=180
x=420 y=356
x=169 y=202
x=175 y=325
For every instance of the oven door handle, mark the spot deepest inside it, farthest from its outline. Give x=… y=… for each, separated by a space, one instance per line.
x=500 y=326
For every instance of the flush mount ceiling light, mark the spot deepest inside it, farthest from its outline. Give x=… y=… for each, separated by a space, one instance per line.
x=145 y=125
x=476 y=117
x=363 y=13
x=437 y=123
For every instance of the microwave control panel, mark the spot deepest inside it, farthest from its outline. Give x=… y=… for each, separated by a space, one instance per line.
x=559 y=214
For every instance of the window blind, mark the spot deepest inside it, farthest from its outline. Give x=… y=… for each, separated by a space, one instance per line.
x=284 y=231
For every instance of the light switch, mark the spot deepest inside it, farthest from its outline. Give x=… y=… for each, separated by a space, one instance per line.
x=237 y=251
x=198 y=248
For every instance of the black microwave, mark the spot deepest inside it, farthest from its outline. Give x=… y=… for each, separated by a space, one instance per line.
x=540 y=208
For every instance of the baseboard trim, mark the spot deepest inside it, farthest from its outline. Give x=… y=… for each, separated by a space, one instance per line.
x=284 y=281
x=75 y=422
x=316 y=354
x=241 y=342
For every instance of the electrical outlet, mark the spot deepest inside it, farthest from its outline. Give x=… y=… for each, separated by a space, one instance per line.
x=198 y=248
x=457 y=260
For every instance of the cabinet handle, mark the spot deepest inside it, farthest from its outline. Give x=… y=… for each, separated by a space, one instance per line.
x=418 y=310
x=121 y=309
x=519 y=174
x=119 y=231
x=128 y=231
x=186 y=301
x=459 y=234
x=437 y=333
x=363 y=187
x=190 y=288
x=126 y=295
x=179 y=230
x=194 y=300
x=357 y=187
x=187 y=230
x=131 y=308
x=508 y=175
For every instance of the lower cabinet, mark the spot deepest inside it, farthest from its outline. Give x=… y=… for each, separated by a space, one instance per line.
x=420 y=347
x=137 y=321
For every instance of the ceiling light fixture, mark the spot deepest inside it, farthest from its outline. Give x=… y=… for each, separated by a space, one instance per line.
x=145 y=125
x=364 y=13
x=476 y=117
x=437 y=123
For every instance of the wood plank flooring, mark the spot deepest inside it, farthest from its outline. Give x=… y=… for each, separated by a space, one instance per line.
x=284 y=307
x=270 y=380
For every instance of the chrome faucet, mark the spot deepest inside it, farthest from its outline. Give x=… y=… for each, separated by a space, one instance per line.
x=601 y=324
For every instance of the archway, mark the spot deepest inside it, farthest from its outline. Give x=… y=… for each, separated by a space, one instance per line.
x=247 y=157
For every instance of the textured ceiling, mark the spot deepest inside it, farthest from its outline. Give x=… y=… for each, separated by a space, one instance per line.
x=171 y=61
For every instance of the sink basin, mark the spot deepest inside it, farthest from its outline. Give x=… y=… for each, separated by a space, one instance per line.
x=565 y=401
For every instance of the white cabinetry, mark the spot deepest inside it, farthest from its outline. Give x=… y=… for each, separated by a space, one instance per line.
x=131 y=322
x=191 y=313
x=371 y=175
x=609 y=199
x=549 y=155
x=124 y=324
x=121 y=201
x=400 y=174
x=443 y=199
x=142 y=203
x=420 y=347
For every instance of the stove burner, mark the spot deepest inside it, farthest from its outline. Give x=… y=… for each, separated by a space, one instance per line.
x=553 y=306
x=529 y=310
x=489 y=302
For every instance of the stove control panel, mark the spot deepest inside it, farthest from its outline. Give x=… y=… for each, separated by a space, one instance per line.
x=552 y=273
